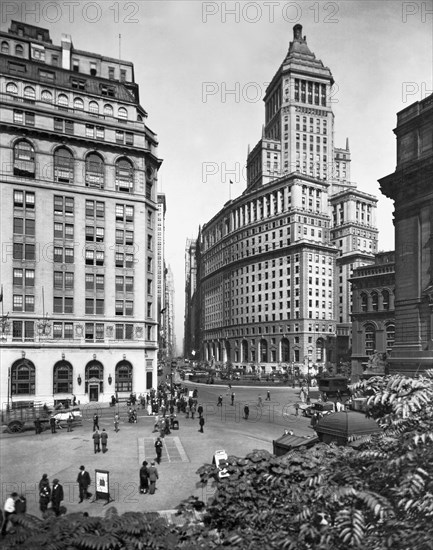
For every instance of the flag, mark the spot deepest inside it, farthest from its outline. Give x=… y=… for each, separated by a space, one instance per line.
x=231 y=183
x=1 y=294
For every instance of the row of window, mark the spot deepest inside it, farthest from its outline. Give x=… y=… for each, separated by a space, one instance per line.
x=65 y=304
x=63 y=101
x=23 y=377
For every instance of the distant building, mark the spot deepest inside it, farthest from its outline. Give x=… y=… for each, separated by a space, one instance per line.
x=373 y=315
x=78 y=219
x=411 y=188
x=275 y=262
x=191 y=343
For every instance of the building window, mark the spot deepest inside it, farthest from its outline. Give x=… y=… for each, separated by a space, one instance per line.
x=94 y=306
x=11 y=88
x=374 y=301
x=22 y=329
x=123 y=377
x=63 y=166
x=108 y=110
x=122 y=113
x=62 y=377
x=93 y=108
x=62 y=100
x=95 y=209
x=124 y=213
x=24 y=159
x=78 y=104
x=95 y=257
x=29 y=93
x=23 y=378
x=390 y=337
x=5 y=47
x=124 y=176
x=63 y=206
x=63 y=280
x=370 y=339
x=19 y=50
x=94 y=171
x=63 y=304
x=124 y=307
x=46 y=96
x=364 y=302
x=385 y=300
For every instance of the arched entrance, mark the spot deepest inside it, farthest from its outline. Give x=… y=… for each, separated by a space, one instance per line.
x=123 y=377
x=23 y=378
x=94 y=379
x=62 y=377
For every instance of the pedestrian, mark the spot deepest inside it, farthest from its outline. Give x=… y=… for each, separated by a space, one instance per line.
x=192 y=411
x=144 y=478
x=158 y=449
x=104 y=439
x=116 y=422
x=74 y=401
x=96 y=439
x=200 y=410
x=201 y=422
x=83 y=481
x=246 y=411
x=56 y=497
x=44 y=493
x=233 y=398
x=8 y=510
x=153 y=476
x=95 y=422
x=260 y=402
x=220 y=401
x=53 y=424
x=187 y=410
x=69 y=422
x=296 y=409
x=268 y=395
x=38 y=426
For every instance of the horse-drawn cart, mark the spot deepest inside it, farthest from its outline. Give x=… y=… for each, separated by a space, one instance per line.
x=20 y=414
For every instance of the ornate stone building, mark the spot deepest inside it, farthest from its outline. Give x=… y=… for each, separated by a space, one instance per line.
x=275 y=261
x=78 y=214
x=411 y=189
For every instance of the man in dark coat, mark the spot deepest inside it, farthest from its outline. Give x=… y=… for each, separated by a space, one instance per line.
x=200 y=410
x=153 y=476
x=246 y=411
x=44 y=493
x=95 y=422
x=38 y=426
x=144 y=478
x=104 y=439
x=83 y=481
x=96 y=439
x=158 y=449
x=201 y=422
x=53 y=424
x=56 y=496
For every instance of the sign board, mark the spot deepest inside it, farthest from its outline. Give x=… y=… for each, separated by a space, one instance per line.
x=102 y=486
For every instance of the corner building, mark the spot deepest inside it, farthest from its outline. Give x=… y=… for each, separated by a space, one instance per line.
x=276 y=261
x=78 y=222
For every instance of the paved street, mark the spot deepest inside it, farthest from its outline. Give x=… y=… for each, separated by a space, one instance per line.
x=25 y=457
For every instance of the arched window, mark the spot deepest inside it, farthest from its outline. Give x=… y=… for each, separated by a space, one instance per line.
x=63 y=166
x=108 y=110
x=46 y=96
x=320 y=350
x=374 y=301
x=93 y=107
x=364 y=302
x=123 y=379
x=11 y=88
x=94 y=375
x=24 y=159
x=62 y=100
x=62 y=377
x=5 y=47
x=94 y=171
x=385 y=299
x=263 y=351
x=124 y=176
x=122 y=113
x=370 y=339
x=29 y=93
x=19 y=50
x=78 y=104
x=390 y=336
x=23 y=375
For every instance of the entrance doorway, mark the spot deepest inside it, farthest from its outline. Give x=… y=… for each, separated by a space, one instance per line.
x=93 y=392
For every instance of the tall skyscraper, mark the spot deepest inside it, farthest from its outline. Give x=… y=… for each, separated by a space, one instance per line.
x=275 y=262
x=78 y=222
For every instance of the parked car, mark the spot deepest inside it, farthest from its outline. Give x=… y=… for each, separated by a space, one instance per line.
x=320 y=408
x=220 y=461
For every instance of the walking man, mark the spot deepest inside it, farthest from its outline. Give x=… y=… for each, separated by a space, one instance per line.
x=83 y=481
x=96 y=439
x=116 y=422
x=69 y=422
x=220 y=401
x=95 y=422
x=260 y=403
x=201 y=422
x=144 y=478
x=8 y=510
x=246 y=411
x=104 y=439
x=233 y=397
x=158 y=449
x=296 y=409
x=153 y=476
x=200 y=410
x=268 y=395
x=56 y=496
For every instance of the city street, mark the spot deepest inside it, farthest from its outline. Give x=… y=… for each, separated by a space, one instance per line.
x=25 y=457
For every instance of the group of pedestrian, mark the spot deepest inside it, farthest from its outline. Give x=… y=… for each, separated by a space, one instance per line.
x=14 y=504
x=100 y=438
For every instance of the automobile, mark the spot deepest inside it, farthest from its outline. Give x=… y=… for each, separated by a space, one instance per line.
x=320 y=408
x=220 y=461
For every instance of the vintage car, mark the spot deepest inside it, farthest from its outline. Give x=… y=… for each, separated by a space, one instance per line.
x=321 y=408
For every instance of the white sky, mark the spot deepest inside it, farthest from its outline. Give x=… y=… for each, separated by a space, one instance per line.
x=379 y=52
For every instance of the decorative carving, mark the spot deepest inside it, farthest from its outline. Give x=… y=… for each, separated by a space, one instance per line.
x=138 y=331
x=109 y=330
x=79 y=330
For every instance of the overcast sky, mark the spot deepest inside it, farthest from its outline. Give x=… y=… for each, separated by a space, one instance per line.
x=189 y=56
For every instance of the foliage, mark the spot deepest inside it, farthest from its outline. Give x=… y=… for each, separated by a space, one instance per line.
x=379 y=496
